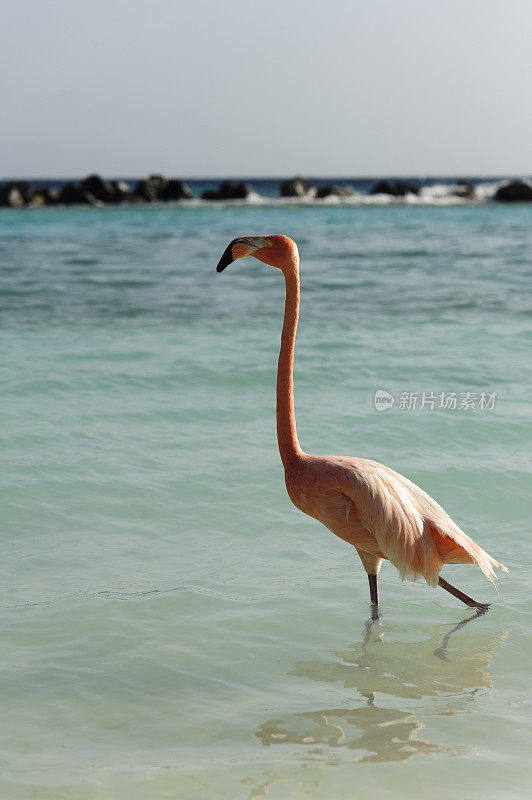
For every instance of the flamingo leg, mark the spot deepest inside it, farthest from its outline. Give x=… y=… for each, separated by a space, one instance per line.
x=465 y=598
x=373 y=594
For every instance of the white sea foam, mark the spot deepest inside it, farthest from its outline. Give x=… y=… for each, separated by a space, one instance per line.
x=437 y=194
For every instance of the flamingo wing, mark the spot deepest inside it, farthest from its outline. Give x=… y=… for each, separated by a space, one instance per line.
x=412 y=531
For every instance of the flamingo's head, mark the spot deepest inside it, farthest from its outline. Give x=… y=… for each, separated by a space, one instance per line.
x=276 y=250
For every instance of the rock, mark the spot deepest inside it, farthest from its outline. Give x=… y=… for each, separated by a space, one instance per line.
x=26 y=190
x=297 y=187
x=514 y=192
x=335 y=191
x=142 y=191
x=16 y=194
x=98 y=188
x=463 y=189
x=45 y=197
x=11 y=197
x=71 y=193
x=176 y=190
x=74 y=194
x=150 y=189
x=228 y=190
x=395 y=188
x=158 y=183
x=21 y=193
x=382 y=187
x=121 y=191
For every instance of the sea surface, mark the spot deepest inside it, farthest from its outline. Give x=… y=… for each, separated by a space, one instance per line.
x=171 y=626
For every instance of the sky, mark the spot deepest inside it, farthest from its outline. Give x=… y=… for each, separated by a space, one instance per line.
x=212 y=88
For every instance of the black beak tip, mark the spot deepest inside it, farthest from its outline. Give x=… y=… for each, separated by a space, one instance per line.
x=226 y=259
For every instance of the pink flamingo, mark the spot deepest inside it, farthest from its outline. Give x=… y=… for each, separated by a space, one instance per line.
x=380 y=512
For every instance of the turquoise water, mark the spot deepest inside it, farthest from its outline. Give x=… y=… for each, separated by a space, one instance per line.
x=172 y=626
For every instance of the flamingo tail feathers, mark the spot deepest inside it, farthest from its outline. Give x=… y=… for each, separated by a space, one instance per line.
x=457 y=547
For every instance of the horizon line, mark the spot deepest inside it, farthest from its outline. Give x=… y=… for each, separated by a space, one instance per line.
x=306 y=176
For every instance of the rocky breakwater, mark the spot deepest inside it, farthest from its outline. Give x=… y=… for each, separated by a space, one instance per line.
x=331 y=190
x=229 y=190
x=95 y=191
x=17 y=194
x=514 y=192
x=297 y=187
x=398 y=188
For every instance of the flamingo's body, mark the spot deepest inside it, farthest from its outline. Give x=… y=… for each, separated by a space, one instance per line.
x=380 y=512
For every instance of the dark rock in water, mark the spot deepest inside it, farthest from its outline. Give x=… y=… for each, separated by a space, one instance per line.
x=106 y=191
x=463 y=189
x=11 y=197
x=74 y=194
x=98 y=188
x=335 y=191
x=45 y=197
x=228 y=190
x=297 y=187
x=121 y=191
x=22 y=193
x=142 y=191
x=150 y=189
x=514 y=192
x=16 y=194
x=407 y=187
x=158 y=184
x=381 y=187
x=176 y=190
x=395 y=188
x=26 y=190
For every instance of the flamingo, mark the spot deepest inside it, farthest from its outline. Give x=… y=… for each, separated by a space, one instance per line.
x=384 y=515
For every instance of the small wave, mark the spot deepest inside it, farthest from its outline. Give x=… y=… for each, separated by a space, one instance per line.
x=82 y=261
x=115 y=283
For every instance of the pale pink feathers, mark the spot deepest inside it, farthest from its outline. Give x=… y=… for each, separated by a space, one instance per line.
x=410 y=529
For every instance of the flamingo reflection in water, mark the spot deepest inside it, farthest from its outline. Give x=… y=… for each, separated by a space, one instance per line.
x=423 y=679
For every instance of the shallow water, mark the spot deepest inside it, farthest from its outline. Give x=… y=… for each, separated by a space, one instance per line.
x=172 y=626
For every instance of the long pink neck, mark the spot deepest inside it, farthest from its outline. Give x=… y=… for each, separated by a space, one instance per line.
x=286 y=420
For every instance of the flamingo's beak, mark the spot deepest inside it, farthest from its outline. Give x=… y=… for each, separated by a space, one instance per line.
x=227 y=257
x=240 y=248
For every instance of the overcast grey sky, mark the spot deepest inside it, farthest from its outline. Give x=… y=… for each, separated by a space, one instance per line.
x=245 y=87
